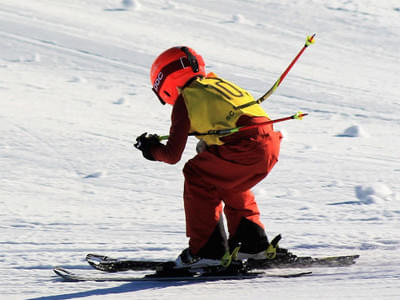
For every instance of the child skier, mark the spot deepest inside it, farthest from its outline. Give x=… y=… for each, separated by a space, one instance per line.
x=225 y=168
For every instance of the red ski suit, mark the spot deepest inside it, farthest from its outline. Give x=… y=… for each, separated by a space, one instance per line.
x=220 y=174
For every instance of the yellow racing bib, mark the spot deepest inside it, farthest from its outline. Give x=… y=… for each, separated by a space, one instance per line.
x=214 y=103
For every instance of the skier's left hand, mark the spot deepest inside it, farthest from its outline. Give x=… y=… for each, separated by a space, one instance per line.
x=145 y=142
x=201 y=146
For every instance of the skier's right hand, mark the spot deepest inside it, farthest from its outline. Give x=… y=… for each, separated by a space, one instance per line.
x=145 y=142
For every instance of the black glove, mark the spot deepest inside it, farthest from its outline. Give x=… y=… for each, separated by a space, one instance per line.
x=145 y=142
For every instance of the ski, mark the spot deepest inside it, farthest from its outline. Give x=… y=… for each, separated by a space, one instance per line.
x=237 y=270
x=304 y=261
x=108 y=264
x=211 y=276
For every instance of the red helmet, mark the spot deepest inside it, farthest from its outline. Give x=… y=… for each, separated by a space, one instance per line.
x=172 y=69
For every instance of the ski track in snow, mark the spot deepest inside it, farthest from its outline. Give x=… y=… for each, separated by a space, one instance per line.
x=75 y=93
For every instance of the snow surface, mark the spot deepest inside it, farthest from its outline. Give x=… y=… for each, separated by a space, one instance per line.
x=75 y=92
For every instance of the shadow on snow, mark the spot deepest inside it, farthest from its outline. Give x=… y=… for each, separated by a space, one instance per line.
x=125 y=288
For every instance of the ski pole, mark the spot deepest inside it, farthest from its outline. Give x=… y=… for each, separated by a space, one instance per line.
x=298 y=116
x=309 y=41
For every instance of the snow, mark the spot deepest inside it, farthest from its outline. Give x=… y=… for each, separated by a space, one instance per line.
x=354 y=131
x=377 y=192
x=75 y=93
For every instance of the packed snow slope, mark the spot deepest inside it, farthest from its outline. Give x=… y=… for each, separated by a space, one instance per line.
x=75 y=93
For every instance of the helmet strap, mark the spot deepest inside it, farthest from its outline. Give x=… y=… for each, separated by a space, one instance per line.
x=192 y=59
x=158 y=96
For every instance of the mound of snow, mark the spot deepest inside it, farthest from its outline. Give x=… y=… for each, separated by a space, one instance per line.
x=97 y=174
x=170 y=5
x=131 y=4
x=375 y=193
x=34 y=57
x=120 y=101
x=354 y=131
x=238 y=18
x=78 y=79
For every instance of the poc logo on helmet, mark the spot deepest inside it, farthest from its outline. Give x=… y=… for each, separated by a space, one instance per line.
x=158 y=81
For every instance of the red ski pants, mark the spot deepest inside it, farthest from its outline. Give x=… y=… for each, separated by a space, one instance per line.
x=225 y=174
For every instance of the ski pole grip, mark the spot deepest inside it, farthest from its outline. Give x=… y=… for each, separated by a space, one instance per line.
x=163 y=138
